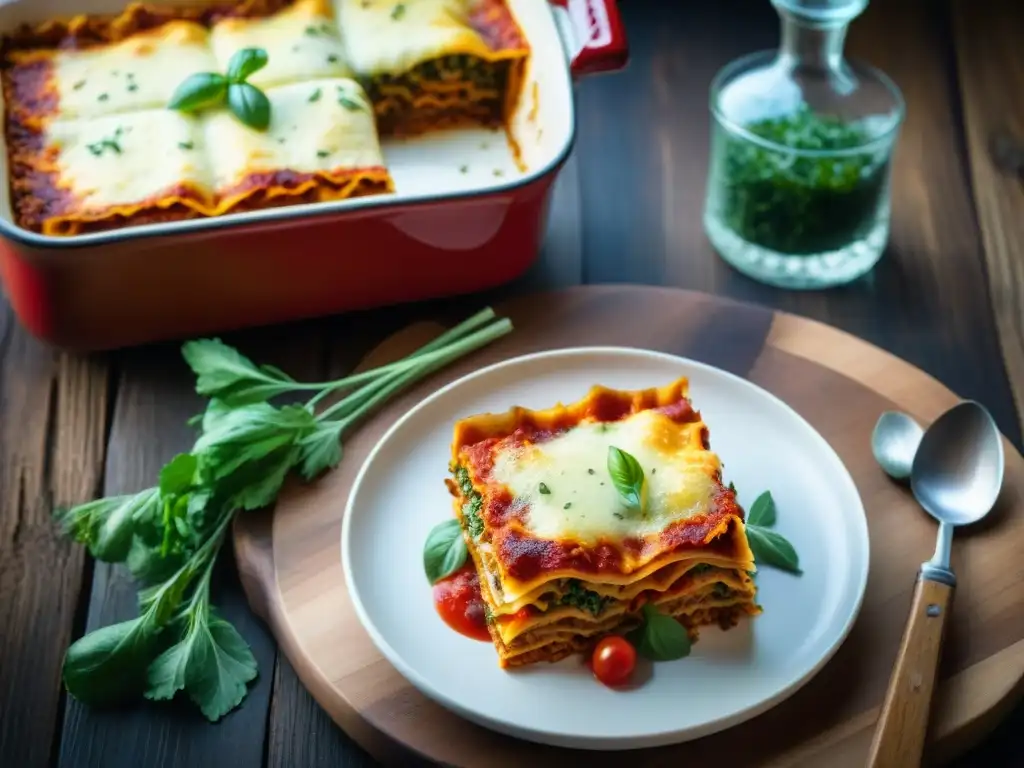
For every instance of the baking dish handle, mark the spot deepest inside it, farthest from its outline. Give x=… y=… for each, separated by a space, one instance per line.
x=598 y=39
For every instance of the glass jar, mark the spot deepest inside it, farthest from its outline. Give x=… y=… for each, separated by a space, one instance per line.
x=798 y=191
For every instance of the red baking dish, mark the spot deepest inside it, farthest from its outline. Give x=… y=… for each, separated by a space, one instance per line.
x=463 y=218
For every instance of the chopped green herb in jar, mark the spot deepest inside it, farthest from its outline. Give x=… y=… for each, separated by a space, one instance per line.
x=322 y=153
x=186 y=145
x=315 y=95
x=797 y=203
x=398 y=11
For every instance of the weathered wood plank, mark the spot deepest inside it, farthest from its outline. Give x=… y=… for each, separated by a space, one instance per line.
x=301 y=733
x=991 y=67
x=155 y=399
x=990 y=64
x=52 y=437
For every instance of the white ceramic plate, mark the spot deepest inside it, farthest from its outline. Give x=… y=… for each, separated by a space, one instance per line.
x=729 y=677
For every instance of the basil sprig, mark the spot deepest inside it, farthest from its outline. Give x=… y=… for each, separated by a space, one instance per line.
x=627 y=477
x=444 y=551
x=769 y=547
x=205 y=90
x=660 y=637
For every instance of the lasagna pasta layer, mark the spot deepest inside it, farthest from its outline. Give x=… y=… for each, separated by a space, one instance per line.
x=560 y=559
x=92 y=146
x=435 y=63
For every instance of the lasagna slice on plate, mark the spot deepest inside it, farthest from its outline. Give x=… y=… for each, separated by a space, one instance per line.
x=565 y=554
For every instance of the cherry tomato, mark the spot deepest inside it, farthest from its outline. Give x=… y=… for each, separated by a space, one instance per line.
x=613 y=660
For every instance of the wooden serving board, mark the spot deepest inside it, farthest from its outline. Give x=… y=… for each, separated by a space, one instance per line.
x=291 y=569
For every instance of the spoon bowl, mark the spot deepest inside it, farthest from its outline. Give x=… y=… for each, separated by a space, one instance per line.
x=957 y=471
x=894 y=443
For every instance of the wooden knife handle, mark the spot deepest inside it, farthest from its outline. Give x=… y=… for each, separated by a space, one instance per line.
x=903 y=723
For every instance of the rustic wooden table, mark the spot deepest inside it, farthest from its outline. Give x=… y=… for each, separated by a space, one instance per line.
x=948 y=297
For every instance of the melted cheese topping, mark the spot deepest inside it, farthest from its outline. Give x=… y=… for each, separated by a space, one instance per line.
x=301 y=42
x=317 y=127
x=127 y=159
x=387 y=37
x=138 y=73
x=569 y=494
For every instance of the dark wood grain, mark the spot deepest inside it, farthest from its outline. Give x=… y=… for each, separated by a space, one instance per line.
x=991 y=64
x=155 y=399
x=52 y=437
x=947 y=297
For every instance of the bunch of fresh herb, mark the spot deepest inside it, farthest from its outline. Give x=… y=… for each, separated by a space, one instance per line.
x=794 y=202
x=169 y=535
x=204 y=90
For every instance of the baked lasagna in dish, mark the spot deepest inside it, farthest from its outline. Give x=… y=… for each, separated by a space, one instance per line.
x=563 y=557
x=431 y=63
x=93 y=145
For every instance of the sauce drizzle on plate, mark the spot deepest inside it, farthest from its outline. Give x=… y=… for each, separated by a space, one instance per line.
x=458 y=601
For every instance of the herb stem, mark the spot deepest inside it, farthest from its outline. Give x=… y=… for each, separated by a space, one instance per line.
x=431 y=349
x=429 y=359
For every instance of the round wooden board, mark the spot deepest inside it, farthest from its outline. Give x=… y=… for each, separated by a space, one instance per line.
x=290 y=558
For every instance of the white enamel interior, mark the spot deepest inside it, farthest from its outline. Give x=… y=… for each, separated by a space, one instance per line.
x=730 y=677
x=424 y=168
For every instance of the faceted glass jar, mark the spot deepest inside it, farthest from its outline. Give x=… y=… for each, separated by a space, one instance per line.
x=798 y=189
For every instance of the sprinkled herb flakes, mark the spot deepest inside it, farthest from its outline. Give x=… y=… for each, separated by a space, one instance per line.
x=110 y=143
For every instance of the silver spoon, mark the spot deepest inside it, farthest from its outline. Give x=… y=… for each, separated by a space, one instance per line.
x=956 y=475
x=894 y=442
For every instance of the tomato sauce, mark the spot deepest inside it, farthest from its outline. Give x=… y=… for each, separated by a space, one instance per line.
x=458 y=601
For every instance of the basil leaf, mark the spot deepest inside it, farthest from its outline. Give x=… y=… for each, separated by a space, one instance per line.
x=177 y=474
x=245 y=62
x=86 y=523
x=245 y=434
x=445 y=551
x=250 y=105
x=148 y=565
x=627 y=477
x=762 y=511
x=203 y=89
x=114 y=538
x=224 y=373
x=221 y=666
x=107 y=664
x=661 y=638
x=212 y=663
x=770 y=548
x=321 y=450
